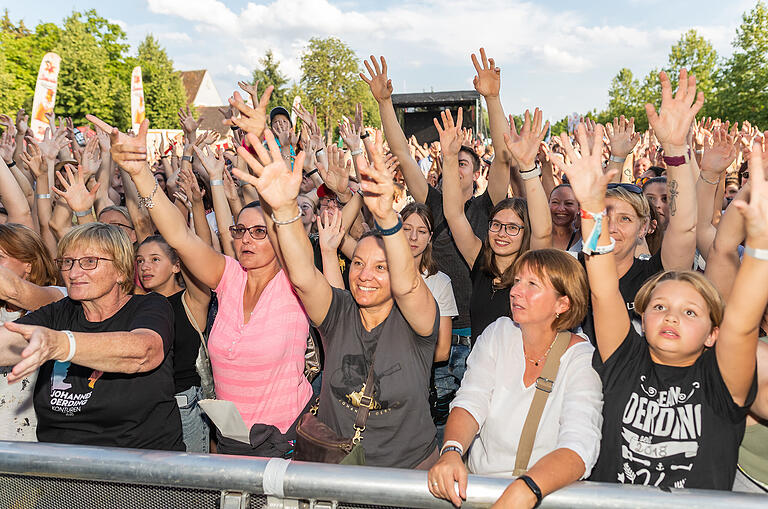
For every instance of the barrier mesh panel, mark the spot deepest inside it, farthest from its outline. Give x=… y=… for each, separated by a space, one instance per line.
x=29 y=492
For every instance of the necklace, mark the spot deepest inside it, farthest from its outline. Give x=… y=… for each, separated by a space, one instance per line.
x=536 y=363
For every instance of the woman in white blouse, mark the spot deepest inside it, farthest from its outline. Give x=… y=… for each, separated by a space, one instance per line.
x=549 y=295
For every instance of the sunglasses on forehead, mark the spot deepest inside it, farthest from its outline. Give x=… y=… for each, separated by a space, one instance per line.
x=632 y=188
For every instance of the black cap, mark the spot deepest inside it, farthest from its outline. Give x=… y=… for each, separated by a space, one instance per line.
x=279 y=110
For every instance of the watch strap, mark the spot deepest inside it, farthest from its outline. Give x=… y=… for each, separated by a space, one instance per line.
x=533 y=487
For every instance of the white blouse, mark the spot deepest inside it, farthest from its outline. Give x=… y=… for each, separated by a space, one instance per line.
x=493 y=392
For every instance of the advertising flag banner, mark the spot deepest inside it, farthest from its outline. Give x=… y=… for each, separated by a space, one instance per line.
x=137 y=99
x=45 y=93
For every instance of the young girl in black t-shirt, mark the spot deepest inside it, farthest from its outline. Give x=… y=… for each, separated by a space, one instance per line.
x=675 y=395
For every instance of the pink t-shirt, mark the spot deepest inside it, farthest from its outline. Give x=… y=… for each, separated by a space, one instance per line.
x=259 y=365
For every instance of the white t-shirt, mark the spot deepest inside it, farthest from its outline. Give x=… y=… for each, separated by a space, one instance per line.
x=18 y=421
x=493 y=392
x=439 y=284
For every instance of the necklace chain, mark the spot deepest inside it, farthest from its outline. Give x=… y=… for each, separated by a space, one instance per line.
x=536 y=363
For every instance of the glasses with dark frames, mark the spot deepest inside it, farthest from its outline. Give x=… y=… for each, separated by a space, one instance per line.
x=86 y=262
x=256 y=232
x=512 y=229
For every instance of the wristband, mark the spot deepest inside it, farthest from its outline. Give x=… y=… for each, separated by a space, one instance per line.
x=701 y=176
x=217 y=182
x=356 y=152
x=590 y=243
x=451 y=448
x=757 y=254
x=533 y=487
x=310 y=173
x=186 y=158
x=532 y=173
x=84 y=213
x=364 y=135
x=389 y=231
x=11 y=164
x=43 y=196
x=72 y=345
x=616 y=159
x=455 y=445
x=599 y=250
x=289 y=221
x=678 y=160
x=318 y=152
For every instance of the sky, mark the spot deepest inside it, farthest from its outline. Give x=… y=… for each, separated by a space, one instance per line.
x=556 y=55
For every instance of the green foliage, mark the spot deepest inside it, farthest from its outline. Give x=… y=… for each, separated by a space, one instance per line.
x=698 y=56
x=270 y=74
x=164 y=91
x=331 y=82
x=741 y=86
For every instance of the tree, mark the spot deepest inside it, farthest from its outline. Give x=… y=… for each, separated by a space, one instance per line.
x=331 y=82
x=163 y=89
x=270 y=74
x=698 y=56
x=741 y=86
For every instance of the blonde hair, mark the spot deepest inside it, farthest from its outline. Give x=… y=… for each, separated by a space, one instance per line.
x=567 y=277
x=636 y=200
x=701 y=284
x=110 y=239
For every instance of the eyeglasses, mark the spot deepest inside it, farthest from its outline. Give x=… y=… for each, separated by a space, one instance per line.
x=123 y=226
x=512 y=229
x=86 y=262
x=632 y=188
x=257 y=232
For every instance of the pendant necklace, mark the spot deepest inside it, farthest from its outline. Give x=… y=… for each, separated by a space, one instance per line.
x=536 y=363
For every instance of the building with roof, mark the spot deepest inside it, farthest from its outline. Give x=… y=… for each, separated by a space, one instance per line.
x=203 y=96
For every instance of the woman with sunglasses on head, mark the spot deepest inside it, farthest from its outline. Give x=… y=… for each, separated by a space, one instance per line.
x=160 y=270
x=259 y=336
x=564 y=208
x=104 y=356
x=510 y=231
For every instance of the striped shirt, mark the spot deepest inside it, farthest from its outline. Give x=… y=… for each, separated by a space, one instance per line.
x=259 y=365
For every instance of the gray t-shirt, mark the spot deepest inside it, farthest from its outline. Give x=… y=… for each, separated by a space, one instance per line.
x=399 y=431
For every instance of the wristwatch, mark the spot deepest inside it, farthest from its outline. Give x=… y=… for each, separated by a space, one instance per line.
x=533 y=487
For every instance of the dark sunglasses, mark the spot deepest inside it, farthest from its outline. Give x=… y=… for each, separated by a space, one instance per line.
x=632 y=188
x=257 y=232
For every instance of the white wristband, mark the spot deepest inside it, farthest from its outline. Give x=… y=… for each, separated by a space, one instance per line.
x=72 y=345
x=757 y=254
x=452 y=443
x=617 y=159
x=356 y=152
x=217 y=182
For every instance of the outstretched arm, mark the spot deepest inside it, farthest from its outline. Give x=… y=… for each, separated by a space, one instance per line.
x=723 y=256
x=381 y=88
x=671 y=127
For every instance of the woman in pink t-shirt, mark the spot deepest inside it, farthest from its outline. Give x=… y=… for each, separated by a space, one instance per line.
x=259 y=336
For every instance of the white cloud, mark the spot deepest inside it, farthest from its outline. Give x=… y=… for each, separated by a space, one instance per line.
x=174 y=37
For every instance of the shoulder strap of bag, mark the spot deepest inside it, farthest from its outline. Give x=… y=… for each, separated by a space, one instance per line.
x=544 y=385
x=366 y=404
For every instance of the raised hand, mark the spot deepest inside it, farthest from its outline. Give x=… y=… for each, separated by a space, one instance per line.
x=381 y=86
x=330 y=233
x=336 y=176
x=188 y=123
x=6 y=121
x=90 y=158
x=756 y=211
x=129 y=152
x=189 y=186
x=7 y=144
x=450 y=133
x=719 y=156
x=488 y=79
x=391 y=163
x=622 y=136
x=22 y=121
x=213 y=164
x=32 y=158
x=672 y=124
x=376 y=183
x=585 y=170
x=350 y=134
x=524 y=146
x=250 y=89
x=75 y=193
x=252 y=120
x=52 y=144
x=206 y=138
x=230 y=187
x=277 y=184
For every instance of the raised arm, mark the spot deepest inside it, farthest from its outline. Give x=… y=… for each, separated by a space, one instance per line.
x=723 y=257
x=409 y=290
x=589 y=183
x=381 y=88
x=453 y=203
x=487 y=82
x=25 y=294
x=671 y=126
x=523 y=147
x=623 y=138
x=214 y=165
x=736 y=346
x=13 y=198
x=131 y=154
x=330 y=235
x=278 y=186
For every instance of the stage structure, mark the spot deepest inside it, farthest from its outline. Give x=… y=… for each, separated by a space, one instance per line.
x=416 y=111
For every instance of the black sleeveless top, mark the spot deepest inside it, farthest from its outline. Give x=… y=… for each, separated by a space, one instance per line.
x=186 y=344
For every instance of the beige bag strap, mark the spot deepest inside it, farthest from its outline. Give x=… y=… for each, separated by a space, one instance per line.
x=544 y=385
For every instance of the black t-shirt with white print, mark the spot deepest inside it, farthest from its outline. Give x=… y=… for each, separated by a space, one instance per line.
x=80 y=405
x=666 y=426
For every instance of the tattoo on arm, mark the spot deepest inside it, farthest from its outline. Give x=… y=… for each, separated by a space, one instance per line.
x=673 y=193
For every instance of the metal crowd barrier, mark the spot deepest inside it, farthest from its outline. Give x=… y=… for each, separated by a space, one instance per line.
x=55 y=476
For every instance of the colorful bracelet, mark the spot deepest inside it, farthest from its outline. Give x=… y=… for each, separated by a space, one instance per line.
x=590 y=243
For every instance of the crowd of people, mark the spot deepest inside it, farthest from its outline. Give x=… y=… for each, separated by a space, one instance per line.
x=541 y=306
